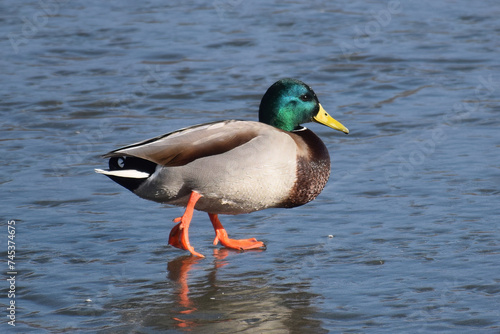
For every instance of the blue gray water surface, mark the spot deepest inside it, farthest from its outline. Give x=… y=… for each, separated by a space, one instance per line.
x=404 y=238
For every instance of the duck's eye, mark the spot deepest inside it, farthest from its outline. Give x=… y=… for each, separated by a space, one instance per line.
x=306 y=97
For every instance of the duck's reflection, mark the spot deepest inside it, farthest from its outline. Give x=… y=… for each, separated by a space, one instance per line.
x=224 y=293
x=221 y=254
x=178 y=271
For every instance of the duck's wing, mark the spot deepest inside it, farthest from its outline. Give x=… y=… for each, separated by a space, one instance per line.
x=186 y=145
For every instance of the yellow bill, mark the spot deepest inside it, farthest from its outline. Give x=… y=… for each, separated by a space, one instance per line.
x=325 y=119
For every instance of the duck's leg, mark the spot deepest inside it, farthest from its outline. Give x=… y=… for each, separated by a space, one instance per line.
x=179 y=236
x=221 y=235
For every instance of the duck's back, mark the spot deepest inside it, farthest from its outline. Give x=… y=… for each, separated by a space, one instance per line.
x=237 y=166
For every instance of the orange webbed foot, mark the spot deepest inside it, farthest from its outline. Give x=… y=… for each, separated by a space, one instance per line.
x=222 y=237
x=179 y=235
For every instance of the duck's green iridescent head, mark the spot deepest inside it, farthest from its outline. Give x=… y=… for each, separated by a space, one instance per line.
x=289 y=103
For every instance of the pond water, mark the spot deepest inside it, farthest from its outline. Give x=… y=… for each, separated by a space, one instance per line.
x=404 y=238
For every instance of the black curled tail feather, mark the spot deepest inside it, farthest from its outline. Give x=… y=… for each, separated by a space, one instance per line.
x=130 y=163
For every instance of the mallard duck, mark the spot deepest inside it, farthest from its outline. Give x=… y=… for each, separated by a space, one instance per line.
x=233 y=166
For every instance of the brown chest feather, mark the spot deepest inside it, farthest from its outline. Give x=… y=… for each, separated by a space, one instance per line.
x=313 y=169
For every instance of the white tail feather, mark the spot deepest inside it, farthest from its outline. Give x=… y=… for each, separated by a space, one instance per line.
x=127 y=173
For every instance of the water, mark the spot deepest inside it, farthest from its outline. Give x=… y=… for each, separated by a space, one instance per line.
x=412 y=205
